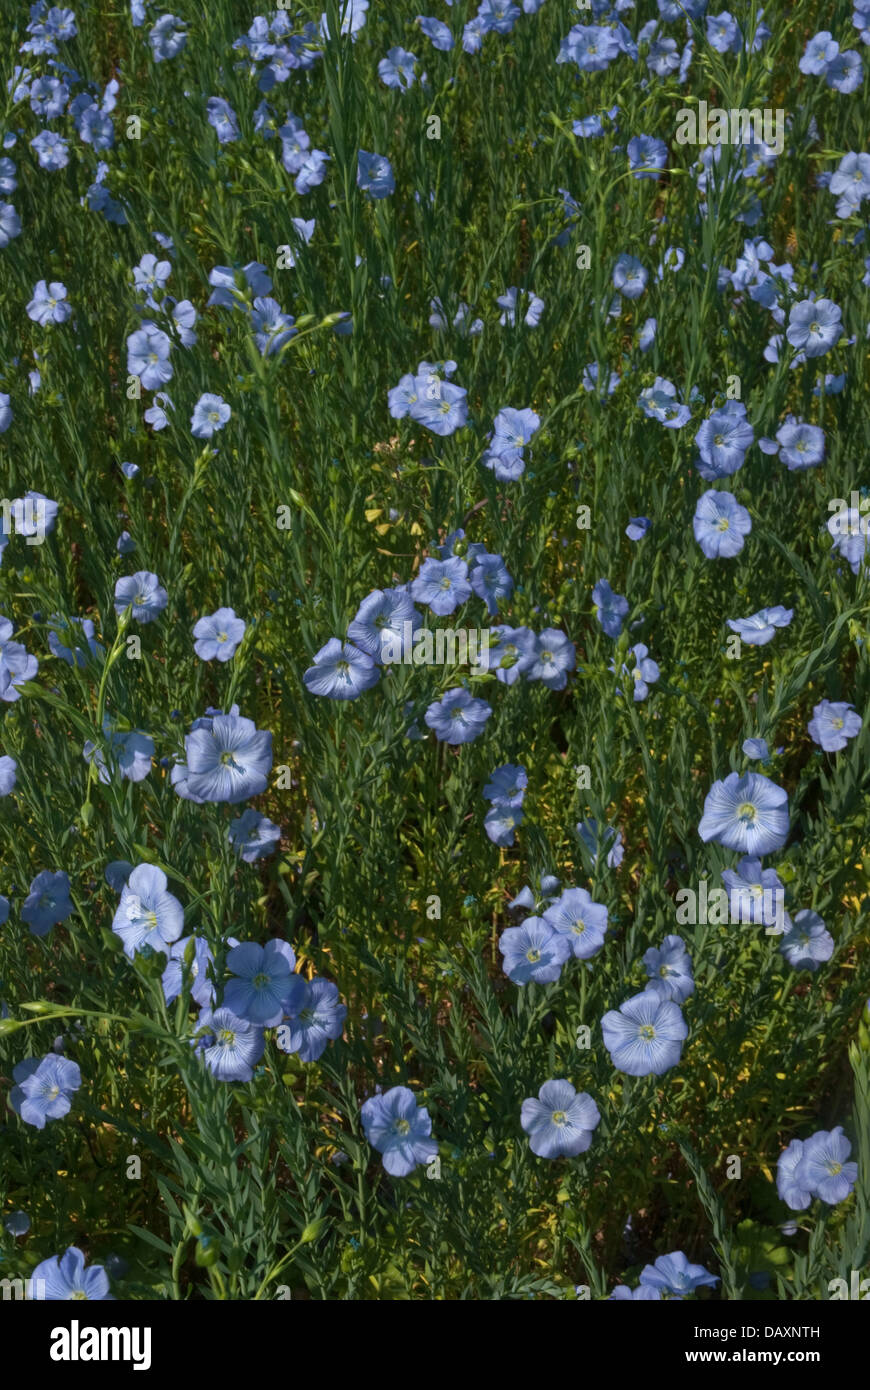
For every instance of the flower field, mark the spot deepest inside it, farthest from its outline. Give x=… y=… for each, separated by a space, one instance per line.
x=434 y=625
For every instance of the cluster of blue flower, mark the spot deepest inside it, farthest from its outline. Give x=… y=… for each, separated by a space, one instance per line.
x=243 y=989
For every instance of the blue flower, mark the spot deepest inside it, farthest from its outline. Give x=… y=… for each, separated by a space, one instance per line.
x=669 y=968
x=647 y=336
x=509 y=303
x=223 y=119
x=437 y=31
x=167 y=38
x=230 y=1047
x=814 y=326
x=591 y=377
x=49 y=96
x=401 y=399
x=272 y=327
x=833 y=723
x=647 y=155
x=8 y=771
x=263 y=981
x=581 y=921
x=210 y=414
x=507 y=464
x=674 y=1275
x=314 y=1016
x=218 y=635
x=644 y=673
x=442 y=584
x=720 y=525
x=191 y=956
x=491 y=581
x=644 y=1293
x=65 y=1277
x=10 y=224
x=801 y=445
x=823 y=1169
x=254 y=836
x=629 y=276
x=497 y=16
x=611 y=840
x=397 y=69
x=44 y=1088
x=534 y=951
x=788 y=1185
x=16 y=664
x=304 y=231
x=374 y=175
x=51 y=149
x=48 y=902
x=560 y=1122
x=227 y=294
x=229 y=760
x=312 y=173
x=399 y=1129
x=723 y=440
x=156 y=415
x=150 y=275
x=513 y=429
x=463 y=322
x=638 y=527
x=144 y=592
x=129 y=754
x=378 y=628
x=148 y=914
x=148 y=356
x=660 y=402
x=68 y=650
x=820 y=50
x=759 y=628
x=645 y=1036
x=440 y=405
x=457 y=717
x=807 y=943
x=852 y=177
x=33 y=514
x=590 y=46
x=353 y=18
x=553 y=657
x=511 y=653
x=663 y=59
x=845 y=72
x=341 y=671
x=49 y=303
x=507 y=785
x=611 y=609
x=851 y=536
x=17 y=1223
x=117 y=873
x=754 y=894
x=723 y=33
x=500 y=822
x=748 y=814
x=756 y=748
